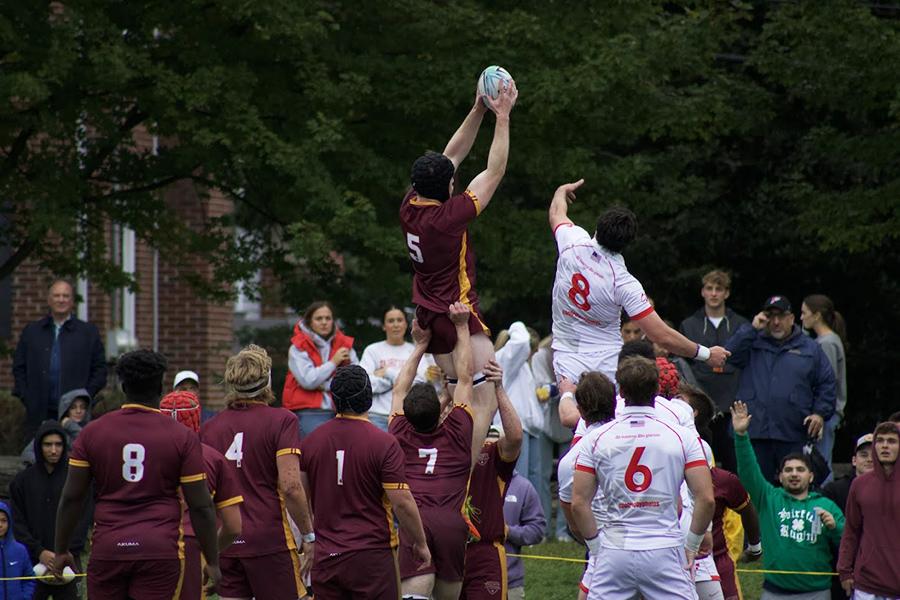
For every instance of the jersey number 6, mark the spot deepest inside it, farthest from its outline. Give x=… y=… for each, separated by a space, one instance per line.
x=580 y=291
x=634 y=468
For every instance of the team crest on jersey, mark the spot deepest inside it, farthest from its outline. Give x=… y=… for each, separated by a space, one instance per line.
x=483 y=458
x=492 y=587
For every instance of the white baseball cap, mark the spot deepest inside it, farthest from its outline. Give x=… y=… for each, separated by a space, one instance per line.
x=183 y=375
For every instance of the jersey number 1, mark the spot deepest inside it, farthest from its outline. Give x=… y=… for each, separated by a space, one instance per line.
x=635 y=468
x=580 y=291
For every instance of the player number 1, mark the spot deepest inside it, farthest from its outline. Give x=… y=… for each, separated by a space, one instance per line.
x=431 y=453
x=133 y=462
x=415 y=252
x=340 y=458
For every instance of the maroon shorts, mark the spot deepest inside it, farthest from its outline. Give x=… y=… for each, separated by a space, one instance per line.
x=443 y=331
x=192 y=586
x=362 y=574
x=446 y=533
x=728 y=581
x=270 y=576
x=134 y=579
x=485 y=572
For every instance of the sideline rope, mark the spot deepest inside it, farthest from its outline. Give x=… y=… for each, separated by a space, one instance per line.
x=25 y=578
x=760 y=571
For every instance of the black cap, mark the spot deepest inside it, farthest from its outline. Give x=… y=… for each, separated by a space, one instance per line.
x=779 y=302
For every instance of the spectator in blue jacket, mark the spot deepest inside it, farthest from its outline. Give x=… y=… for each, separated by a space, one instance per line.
x=525 y=521
x=14 y=560
x=787 y=383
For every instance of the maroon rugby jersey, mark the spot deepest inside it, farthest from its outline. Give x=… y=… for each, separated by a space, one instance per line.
x=490 y=478
x=349 y=464
x=440 y=249
x=137 y=459
x=251 y=437
x=221 y=481
x=729 y=493
x=437 y=463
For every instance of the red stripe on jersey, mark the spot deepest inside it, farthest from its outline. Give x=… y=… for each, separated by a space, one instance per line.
x=582 y=587
x=695 y=463
x=585 y=469
x=575 y=440
x=642 y=314
x=558 y=225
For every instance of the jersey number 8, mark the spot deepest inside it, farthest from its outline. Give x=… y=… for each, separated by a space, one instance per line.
x=580 y=291
x=133 y=462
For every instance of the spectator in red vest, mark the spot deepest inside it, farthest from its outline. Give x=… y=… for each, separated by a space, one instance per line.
x=318 y=347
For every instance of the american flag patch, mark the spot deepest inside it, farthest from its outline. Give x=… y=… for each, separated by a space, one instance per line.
x=636 y=423
x=595 y=257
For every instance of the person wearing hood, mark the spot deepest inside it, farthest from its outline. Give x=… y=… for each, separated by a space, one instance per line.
x=786 y=381
x=318 y=348
x=867 y=562
x=74 y=414
x=14 y=561
x=34 y=495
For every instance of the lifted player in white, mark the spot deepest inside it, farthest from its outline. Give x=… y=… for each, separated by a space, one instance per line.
x=591 y=289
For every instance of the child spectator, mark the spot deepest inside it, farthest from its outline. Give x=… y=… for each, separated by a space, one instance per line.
x=74 y=414
x=15 y=561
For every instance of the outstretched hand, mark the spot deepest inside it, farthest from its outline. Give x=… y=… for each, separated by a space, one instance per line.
x=420 y=336
x=569 y=189
x=740 y=418
x=459 y=313
x=503 y=104
x=717 y=357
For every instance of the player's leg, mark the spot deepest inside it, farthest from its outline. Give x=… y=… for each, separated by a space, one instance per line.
x=156 y=580
x=275 y=576
x=192 y=586
x=418 y=587
x=613 y=576
x=449 y=534
x=727 y=579
x=709 y=590
x=234 y=584
x=661 y=574
x=417 y=583
x=446 y=590
x=485 y=577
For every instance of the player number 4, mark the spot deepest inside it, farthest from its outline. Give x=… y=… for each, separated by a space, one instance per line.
x=235 y=451
x=415 y=252
x=635 y=468
x=133 y=462
x=580 y=291
x=431 y=453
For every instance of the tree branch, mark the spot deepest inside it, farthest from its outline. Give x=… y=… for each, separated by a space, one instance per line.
x=132 y=119
x=18 y=146
x=16 y=259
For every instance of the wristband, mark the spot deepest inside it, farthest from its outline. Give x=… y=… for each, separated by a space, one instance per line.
x=593 y=544
x=755 y=548
x=702 y=353
x=692 y=541
x=568 y=395
x=309 y=538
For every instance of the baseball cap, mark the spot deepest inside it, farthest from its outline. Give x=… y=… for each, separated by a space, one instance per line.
x=183 y=375
x=779 y=302
x=862 y=441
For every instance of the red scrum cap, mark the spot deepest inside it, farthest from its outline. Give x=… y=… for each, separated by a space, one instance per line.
x=184 y=407
x=668 y=377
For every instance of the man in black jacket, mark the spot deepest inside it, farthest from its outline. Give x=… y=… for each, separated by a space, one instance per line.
x=56 y=354
x=710 y=326
x=34 y=496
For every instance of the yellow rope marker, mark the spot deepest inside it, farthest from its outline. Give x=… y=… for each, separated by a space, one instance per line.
x=39 y=577
x=760 y=571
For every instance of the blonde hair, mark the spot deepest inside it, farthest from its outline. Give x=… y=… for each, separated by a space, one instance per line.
x=248 y=377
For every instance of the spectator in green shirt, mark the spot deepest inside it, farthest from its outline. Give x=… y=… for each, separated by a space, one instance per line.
x=799 y=527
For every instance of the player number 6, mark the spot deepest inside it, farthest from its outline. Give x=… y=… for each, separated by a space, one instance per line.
x=634 y=468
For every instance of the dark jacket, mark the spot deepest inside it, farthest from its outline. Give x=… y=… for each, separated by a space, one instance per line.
x=34 y=495
x=871 y=542
x=14 y=562
x=721 y=384
x=82 y=364
x=71 y=427
x=782 y=383
x=838 y=490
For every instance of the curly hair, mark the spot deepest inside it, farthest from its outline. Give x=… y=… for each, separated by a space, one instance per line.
x=351 y=390
x=141 y=373
x=248 y=377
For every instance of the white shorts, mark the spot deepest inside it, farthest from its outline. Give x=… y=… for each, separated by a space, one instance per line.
x=860 y=595
x=572 y=364
x=585 y=583
x=655 y=574
x=705 y=569
x=710 y=590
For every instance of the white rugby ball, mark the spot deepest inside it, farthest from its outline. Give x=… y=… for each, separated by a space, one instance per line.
x=490 y=80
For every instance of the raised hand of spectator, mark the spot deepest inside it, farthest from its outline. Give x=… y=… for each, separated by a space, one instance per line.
x=760 y=320
x=740 y=418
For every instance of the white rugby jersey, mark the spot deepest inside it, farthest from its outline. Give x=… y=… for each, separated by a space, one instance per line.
x=565 y=474
x=591 y=288
x=705 y=568
x=639 y=461
x=673 y=411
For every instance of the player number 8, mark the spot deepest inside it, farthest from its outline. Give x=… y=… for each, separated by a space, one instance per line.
x=580 y=291
x=133 y=462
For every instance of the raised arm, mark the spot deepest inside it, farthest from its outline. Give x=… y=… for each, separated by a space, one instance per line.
x=461 y=143
x=511 y=443
x=657 y=331
x=747 y=466
x=559 y=206
x=462 y=354
x=485 y=183
x=407 y=374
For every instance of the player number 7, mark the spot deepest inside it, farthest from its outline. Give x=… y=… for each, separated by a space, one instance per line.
x=431 y=453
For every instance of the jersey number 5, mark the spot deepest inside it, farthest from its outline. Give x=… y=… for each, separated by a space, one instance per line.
x=431 y=453
x=580 y=291
x=635 y=468
x=415 y=253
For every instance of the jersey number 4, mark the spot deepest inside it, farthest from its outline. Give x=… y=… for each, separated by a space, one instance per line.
x=579 y=292
x=634 y=469
x=235 y=451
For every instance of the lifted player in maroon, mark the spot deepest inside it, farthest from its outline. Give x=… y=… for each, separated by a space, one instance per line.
x=137 y=458
x=486 y=558
x=438 y=457
x=435 y=223
x=355 y=478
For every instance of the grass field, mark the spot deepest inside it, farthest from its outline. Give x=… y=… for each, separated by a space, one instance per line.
x=552 y=580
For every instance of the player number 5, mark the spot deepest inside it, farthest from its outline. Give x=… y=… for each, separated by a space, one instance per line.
x=431 y=453
x=415 y=252
x=635 y=468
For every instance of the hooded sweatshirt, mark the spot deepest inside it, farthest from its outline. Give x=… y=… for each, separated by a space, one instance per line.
x=793 y=535
x=308 y=382
x=14 y=562
x=871 y=546
x=34 y=495
x=72 y=427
